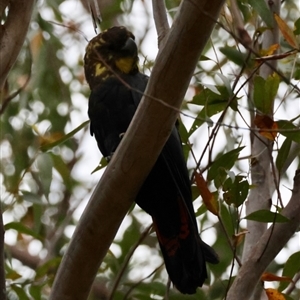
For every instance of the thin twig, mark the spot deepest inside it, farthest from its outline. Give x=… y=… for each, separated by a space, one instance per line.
x=140 y=281
x=126 y=261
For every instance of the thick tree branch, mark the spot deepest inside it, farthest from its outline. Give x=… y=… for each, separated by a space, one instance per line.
x=138 y=150
x=13 y=33
x=267 y=247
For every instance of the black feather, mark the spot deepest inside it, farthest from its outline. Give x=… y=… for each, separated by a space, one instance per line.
x=166 y=193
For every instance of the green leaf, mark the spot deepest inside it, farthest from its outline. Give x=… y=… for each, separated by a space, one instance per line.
x=297 y=74
x=213 y=102
x=289 y=130
x=263 y=10
x=49 y=146
x=20 y=291
x=102 y=164
x=266 y=216
x=49 y=266
x=226 y=216
x=225 y=161
x=45 y=164
x=271 y=88
x=291 y=267
x=62 y=169
x=12 y=275
x=234 y=55
x=265 y=92
x=22 y=229
x=283 y=153
x=235 y=192
x=36 y=291
x=184 y=140
x=297 y=26
x=258 y=92
x=31 y=197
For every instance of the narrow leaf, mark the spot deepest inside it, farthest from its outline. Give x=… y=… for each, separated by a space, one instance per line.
x=21 y=229
x=264 y=12
x=271 y=88
x=234 y=55
x=258 y=93
x=266 y=216
x=208 y=198
x=102 y=164
x=273 y=277
x=297 y=26
x=46 y=147
x=283 y=153
x=265 y=92
x=226 y=161
x=290 y=269
x=289 y=130
x=45 y=164
x=287 y=32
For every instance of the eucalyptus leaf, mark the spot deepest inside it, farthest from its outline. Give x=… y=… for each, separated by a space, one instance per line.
x=266 y=216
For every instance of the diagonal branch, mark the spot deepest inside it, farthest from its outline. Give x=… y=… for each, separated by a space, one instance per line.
x=267 y=247
x=161 y=20
x=138 y=150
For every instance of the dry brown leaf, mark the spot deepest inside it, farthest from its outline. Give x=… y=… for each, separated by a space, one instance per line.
x=274 y=294
x=208 y=198
x=287 y=32
x=268 y=128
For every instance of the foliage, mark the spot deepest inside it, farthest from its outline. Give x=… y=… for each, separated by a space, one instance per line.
x=47 y=156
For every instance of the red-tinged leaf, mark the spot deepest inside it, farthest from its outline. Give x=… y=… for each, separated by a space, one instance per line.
x=272 y=277
x=268 y=128
x=287 y=32
x=208 y=198
x=274 y=294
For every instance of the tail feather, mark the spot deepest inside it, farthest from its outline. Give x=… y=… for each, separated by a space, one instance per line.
x=185 y=254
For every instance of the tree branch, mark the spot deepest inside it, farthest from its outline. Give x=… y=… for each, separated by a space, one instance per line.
x=138 y=150
x=267 y=247
x=13 y=33
x=261 y=174
x=161 y=20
